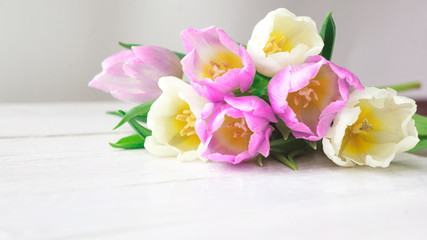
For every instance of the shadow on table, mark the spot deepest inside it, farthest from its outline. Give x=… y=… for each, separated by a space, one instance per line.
x=318 y=161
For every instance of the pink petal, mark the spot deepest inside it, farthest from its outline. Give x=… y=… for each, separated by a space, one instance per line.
x=314 y=121
x=162 y=59
x=256 y=113
x=113 y=64
x=202 y=46
x=253 y=104
x=132 y=76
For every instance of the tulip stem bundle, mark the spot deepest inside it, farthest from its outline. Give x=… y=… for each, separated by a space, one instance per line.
x=277 y=97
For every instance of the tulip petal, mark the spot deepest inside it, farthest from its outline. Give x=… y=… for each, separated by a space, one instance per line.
x=236 y=130
x=159 y=149
x=132 y=75
x=215 y=64
x=299 y=34
x=308 y=96
x=373 y=127
x=174 y=111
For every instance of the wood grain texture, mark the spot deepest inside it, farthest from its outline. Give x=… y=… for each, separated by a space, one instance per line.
x=65 y=182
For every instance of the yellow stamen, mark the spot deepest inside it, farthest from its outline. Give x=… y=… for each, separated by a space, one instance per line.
x=241 y=130
x=315 y=82
x=362 y=127
x=219 y=64
x=187 y=116
x=218 y=69
x=306 y=94
x=277 y=43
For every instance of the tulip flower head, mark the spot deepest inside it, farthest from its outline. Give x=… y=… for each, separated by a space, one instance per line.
x=236 y=130
x=282 y=38
x=374 y=126
x=215 y=64
x=172 y=118
x=132 y=75
x=308 y=96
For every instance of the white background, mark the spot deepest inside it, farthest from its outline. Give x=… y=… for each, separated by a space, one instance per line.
x=50 y=50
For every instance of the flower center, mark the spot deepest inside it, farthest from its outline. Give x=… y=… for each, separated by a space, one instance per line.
x=188 y=117
x=241 y=129
x=306 y=94
x=361 y=127
x=277 y=43
x=218 y=69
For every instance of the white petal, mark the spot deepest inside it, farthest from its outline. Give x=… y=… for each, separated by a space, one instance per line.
x=411 y=140
x=159 y=149
x=395 y=133
x=162 y=117
x=300 y=31
x=331 y=153
x=188 y=156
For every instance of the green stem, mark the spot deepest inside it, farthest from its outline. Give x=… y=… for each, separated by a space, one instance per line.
x=259 y=159
x=277 y=142
x=295 y=153
x=287 y=148
x=404 y=86
x=277 y=150
x=280 y=141
x=286 y=161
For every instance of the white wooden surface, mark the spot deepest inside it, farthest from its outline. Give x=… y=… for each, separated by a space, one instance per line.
x=59 y=179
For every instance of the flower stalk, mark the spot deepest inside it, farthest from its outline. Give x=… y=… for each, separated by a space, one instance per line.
x=404 y=86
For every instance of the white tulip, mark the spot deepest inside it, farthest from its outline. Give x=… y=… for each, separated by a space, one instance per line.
x=171 y=120
x=282 y=38
x=374 y=126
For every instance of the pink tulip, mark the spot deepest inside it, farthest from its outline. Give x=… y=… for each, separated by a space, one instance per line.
x=215 y=64
x=132 y=75
x=307 y=97
x=236 y=130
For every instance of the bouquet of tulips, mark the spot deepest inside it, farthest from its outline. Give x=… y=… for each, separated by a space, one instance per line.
x=277 y=97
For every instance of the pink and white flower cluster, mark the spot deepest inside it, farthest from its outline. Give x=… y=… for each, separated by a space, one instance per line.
x=215 y=117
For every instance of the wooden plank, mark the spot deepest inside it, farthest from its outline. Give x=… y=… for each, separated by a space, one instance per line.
x=87 y=190
x=70 y=184
x=44 y=119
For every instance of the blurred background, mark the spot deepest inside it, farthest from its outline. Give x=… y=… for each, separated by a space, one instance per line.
x=51 y=49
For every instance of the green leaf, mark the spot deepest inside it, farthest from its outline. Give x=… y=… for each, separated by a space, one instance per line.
x=141 y=119
x=140 y=110
x=130 y=142
x=180 y=55
x=142 y=131
x=420 y=145
x=137 y=118
x=327 y=33
x=115 y=114
x=244 y=45
x=420 y=124
x=130 y=45
x=259 y=86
